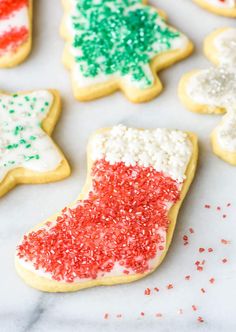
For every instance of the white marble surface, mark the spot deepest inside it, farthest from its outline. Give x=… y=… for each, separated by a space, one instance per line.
x=23 y=309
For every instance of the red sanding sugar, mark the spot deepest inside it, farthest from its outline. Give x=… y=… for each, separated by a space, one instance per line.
x=119 y=222
x=11 y=39
x=8 y=7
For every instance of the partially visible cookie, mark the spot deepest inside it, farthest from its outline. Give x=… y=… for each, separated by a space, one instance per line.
x=220 y=7
x=120 y=228
x=15 y=31
x=118 y=45
x=214 y=90
x=27 y=153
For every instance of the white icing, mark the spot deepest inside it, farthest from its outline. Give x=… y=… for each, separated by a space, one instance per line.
x=226 y=132
x=31 y=140
x=17 y=20
x=220 y=4
x=83 y=81
x=225 y=43
x=167 y=151
x=216 y=87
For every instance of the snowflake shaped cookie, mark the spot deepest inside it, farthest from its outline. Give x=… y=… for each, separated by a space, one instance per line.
x=27 y=153
x=214 y=90
x=220 y=7
x=118 y=44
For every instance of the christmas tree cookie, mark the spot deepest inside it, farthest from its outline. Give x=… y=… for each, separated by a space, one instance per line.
x=118 y=45
x=212 y=91
x=15 y=31
x=121 y=226
x=27 y=153
x=220 y=7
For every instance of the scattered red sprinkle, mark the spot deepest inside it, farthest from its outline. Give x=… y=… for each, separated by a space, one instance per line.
x=13 y=38
x=223 y=241
x=200 y=268
x=170 y=286
x=218 y=208
x=180 y=311
x=194 y=307
x=191 y=230
x=126 y=272
x=224 y=216
x=119 y=316
x=142 y=313
x=7 y=7
x=123 y=220
x=197 y=263
x=224 y=260
x=106 y=316
x=201 y=250
x=156 y=289
x=203 y=290
x=229 y=204
x=187 y=277
x=185 y=238
x=212 y=280
x=200 y=319
x=207 y=206
x=147 y=291
x=210 y=249
x=159 y=315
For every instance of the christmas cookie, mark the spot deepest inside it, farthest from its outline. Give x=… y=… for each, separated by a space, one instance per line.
x=27 y=153
x=213 y=90
x=15 y=31
x=220 y=7
x=118 y=45
x=121 y=227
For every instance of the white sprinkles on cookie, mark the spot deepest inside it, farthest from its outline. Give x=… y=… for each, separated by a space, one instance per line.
x=216 y=87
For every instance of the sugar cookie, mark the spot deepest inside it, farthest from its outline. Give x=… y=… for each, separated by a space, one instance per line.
x=15 y=31
x=213 y=90
x=220 y=7
x=27 y=153
x=121 y=227
x=118 y=45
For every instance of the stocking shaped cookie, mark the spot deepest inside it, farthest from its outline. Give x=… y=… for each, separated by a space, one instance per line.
x=15 y=31
x=214 y=90
x=120 y=44
x=220 y=7
x=27 y=153
x=120 y=228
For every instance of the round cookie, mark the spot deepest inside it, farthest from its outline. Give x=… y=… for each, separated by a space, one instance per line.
x=118 y=45
x=220 y=7
x=212 y=91
x=15 y=31
x=27 y=153
x=121 y=226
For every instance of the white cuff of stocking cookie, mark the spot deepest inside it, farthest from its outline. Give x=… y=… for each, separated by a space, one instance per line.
x=23 y=143
x=167 y=151
x=222 y=4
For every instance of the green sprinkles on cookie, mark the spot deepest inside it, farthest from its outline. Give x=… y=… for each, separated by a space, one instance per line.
x=118 y=37
x=22 y=142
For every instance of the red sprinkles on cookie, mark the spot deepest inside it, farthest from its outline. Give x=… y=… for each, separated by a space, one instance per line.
x=14 y=24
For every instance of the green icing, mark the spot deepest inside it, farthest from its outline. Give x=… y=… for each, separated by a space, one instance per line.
x=118 y=36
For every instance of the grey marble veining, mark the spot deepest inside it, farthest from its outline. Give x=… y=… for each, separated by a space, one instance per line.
x=26 y=310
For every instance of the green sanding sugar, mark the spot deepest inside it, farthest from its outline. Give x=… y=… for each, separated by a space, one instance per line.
x=118 y=36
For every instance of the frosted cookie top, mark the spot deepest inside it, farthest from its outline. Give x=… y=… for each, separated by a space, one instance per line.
x=222 y=3
x=117 y=39
x=22 y=141
x=14 y=24
x=225 y=43
x=167 y=151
